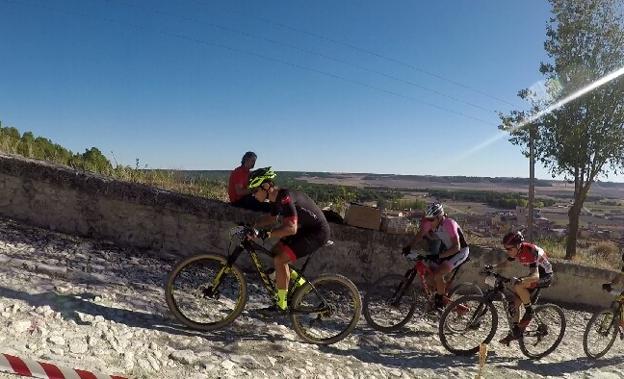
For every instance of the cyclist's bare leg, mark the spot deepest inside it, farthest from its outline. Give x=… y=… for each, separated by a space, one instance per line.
x=438 y=277
x=282 y=272
x=281 y=258
x=515 y=316
x=522 y=289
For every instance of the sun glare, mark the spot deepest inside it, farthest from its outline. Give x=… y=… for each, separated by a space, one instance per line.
x=605 y=79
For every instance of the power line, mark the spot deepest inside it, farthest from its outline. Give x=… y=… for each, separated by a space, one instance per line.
x=368 y=52
x=307 y=51
x=255 y=54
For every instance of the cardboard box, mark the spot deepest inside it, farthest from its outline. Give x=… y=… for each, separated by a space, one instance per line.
x=363 y=216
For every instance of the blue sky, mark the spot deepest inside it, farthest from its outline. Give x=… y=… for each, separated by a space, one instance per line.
x=389 y=87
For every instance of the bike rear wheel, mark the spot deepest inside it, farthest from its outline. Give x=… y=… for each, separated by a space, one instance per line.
x=193 y=300
x=326 y=310
x=389 y=304
x=466 y=323
x=544 y=333
x=600 y=333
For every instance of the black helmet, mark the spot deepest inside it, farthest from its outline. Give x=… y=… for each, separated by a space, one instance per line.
x=513 y=238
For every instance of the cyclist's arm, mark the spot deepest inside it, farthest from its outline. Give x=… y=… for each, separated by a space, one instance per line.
x=534 y=269
x=533 y=274
x=454 y=249
x=288 y=228
x=289 y=218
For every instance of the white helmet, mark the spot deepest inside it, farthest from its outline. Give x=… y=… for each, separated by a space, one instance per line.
x=433 y=210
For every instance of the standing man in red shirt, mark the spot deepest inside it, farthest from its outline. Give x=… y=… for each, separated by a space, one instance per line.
x=240 y=195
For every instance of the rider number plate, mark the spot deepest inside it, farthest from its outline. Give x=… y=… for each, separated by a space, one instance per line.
x=490 y=281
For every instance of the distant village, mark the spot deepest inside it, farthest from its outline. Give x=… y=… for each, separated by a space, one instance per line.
x=491 y=224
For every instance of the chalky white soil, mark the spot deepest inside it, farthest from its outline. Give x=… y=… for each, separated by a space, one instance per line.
x=91 y=305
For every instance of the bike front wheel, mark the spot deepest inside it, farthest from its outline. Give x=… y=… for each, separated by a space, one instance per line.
x=544 y=333
x=463 y=289
x=390 y=303
x=466 y=323
x=600 y=333
x=326 y=310
x=201 y=301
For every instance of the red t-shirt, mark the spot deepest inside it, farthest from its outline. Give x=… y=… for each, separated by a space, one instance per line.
x=240 y=176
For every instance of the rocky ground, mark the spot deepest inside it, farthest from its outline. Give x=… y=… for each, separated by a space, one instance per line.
x=92 y=305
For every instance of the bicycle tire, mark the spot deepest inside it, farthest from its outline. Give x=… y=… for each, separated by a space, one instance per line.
x=611 y=329
x=199 y=280
x=483 y=306
x=308 y=293
x=465 y=288
x=383 y=291
x=525 y=341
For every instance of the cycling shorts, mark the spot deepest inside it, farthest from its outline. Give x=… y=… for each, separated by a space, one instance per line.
x=304 y=243
x=544 y=281
x=458 y=258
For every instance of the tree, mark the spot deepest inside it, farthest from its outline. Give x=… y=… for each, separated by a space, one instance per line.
x=583 y=138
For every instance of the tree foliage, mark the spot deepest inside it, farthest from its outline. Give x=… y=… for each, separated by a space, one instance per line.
x=582 y=139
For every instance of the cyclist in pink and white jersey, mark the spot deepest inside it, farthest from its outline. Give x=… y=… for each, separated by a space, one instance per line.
x=454 y=250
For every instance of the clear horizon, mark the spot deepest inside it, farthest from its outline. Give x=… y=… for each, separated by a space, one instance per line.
x=402 y=88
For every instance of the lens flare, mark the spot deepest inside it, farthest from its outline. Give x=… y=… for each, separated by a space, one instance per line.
x=605 y=79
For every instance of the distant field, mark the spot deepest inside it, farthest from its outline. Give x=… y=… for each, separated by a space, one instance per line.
x=557 y=189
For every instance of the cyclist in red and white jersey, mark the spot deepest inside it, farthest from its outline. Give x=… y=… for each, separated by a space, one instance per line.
x=541 y=275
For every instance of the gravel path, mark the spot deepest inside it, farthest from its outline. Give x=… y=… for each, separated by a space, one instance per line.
x=91 y=305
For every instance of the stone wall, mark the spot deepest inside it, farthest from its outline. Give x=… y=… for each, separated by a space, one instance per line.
x=129 y=214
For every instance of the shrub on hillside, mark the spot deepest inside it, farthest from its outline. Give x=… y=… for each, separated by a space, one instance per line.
x=607 y=252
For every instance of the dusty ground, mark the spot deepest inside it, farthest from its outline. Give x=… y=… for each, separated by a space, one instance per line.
x=92 y=305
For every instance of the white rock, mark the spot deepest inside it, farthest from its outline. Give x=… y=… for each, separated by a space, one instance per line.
x=57 y=340
x=45 y=311
x=228 y=364
x=21 y=326
x=144 y=365
x=57 y=351
x=78 y=346
x=186 y=357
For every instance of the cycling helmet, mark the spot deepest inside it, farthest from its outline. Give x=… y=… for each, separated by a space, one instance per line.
x=513 y=238
x=433 y=210
x=259 y=176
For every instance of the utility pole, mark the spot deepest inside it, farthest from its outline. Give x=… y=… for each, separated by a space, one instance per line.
x=530 y=233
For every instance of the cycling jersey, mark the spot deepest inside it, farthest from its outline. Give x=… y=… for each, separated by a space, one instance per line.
x=312 y=227
x=298 y=207
x=533 y=256
x=448 y=231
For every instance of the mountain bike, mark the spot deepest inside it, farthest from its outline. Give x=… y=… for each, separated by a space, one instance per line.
x=463 y=333
x=603 y=327
x=392 y=301
x=209 y=291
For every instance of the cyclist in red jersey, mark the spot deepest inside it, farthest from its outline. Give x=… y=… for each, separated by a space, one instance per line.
x=541 y=275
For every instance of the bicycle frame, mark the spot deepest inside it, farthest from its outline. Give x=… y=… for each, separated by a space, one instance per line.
x=423 y=271
x=500 y=292
x=617 y=305
x=246 y=244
